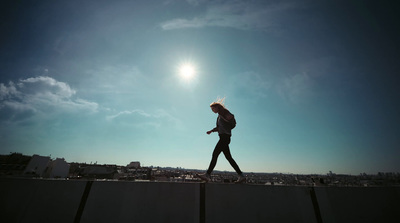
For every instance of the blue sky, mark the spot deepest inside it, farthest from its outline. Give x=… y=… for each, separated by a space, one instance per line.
x=313 y=84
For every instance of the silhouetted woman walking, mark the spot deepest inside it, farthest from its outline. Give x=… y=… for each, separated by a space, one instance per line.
x=225 y=123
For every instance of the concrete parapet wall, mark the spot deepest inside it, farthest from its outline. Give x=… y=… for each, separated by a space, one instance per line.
x=27 y=200
x=32 y=200
x=257 y=203
x=359 y=204
x=142 y=202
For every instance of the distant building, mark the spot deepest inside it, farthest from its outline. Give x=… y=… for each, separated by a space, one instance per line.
x=57 y=169
x=37 y=166
x=44 y=166
x=135 y=165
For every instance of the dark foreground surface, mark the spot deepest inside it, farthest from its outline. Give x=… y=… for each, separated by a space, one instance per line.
x=35 y=200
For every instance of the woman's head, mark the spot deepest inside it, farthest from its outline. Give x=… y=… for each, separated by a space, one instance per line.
x=215 y=107
x=218 y=105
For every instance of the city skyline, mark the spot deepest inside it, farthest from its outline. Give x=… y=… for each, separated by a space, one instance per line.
x=312 y=85
x=17 y=160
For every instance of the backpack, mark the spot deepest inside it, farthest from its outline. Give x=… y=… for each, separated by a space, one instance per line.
x=232 y=122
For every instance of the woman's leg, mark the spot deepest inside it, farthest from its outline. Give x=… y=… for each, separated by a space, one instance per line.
x=228 y=156
x=216 y=152
x=225 y=148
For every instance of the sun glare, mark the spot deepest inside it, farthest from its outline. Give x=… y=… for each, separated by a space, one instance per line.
x=187 y=71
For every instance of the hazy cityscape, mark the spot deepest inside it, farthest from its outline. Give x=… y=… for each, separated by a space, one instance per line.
x=36 y=166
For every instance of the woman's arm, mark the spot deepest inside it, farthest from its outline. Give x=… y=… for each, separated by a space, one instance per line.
x=212 y=130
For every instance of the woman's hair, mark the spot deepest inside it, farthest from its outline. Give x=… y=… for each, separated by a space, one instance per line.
x=219 y=103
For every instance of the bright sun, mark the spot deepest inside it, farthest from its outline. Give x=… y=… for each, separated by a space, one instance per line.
x=187 y=71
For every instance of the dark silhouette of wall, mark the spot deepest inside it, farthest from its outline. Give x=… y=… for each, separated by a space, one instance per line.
x=28 y=200
x=359 y=204
x=35 y=200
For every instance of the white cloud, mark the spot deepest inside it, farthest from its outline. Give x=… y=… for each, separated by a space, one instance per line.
x=140 y=118
x=235 y=14
x=6 y=92
x=46 y=85
x=123 y=113
x=40 y=96
x=184 y=23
